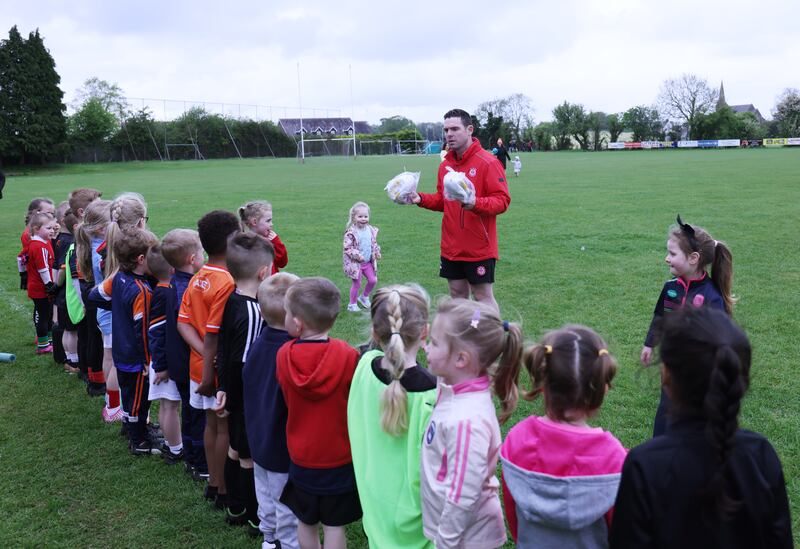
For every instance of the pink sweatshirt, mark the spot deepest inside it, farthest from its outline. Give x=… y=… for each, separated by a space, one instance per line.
x=559 y=483
x=460 y=505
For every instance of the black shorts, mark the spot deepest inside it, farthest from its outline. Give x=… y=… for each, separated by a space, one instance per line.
x=238 y=435
x=475 y=272
x=330 y=510
x=63 y=317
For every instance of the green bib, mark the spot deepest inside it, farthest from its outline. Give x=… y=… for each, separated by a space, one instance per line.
x=74 y=302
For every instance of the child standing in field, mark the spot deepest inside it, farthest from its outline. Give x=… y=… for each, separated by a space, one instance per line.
x=705 y=482
x=256 y=216
x=67 y=291
x=41 y=282
x=560 y=476
x=517 y=166
x=199 y=323
x=315 y=372
x=690 y=250
x=37 y=205
x=89 y=234
x=249 y=260
x=360 y=255
x=162 y=388
x=460 y=503
x=183 y=251
x=126 y=293
x=265 y=416
x=386 y=448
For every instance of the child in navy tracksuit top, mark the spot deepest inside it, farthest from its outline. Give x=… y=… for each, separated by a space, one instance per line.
x=127 y=294
x=265 y=415
x=690 y=250
x=184 y=252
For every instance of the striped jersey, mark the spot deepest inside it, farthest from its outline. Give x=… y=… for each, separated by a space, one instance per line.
x=241 y=325
x=202 y=306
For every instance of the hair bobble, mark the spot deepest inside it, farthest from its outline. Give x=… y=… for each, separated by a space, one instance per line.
x=395 y=333
x=548 y=349
x=505 y=325
x=602 y=352
x=476 y=318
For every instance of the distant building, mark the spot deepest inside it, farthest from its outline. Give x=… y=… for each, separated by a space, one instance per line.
x=738 y=108
x=328 y=127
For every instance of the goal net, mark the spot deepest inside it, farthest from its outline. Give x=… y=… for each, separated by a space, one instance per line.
x=335 y=146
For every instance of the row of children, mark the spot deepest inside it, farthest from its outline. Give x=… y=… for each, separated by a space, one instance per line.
x=415 y=450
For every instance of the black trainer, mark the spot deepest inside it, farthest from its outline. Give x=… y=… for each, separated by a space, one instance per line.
x=253 y=530
x=236 y=517
x=144 y=448
x=169 y=457
x=200 y=475
x=210 y=493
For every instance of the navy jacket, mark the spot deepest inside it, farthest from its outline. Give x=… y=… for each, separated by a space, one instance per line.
x=658 y=503
x=156 y=333
x=177 y=351
x=128 y=296
x=265 y=412
x=699 y=292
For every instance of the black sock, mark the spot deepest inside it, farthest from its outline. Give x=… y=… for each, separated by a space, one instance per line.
x=234 y=492
x=248 y=486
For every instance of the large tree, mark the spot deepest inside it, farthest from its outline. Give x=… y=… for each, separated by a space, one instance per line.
x=516 y=110
x=787 y=113
x=92 y=125
x=597 y=123
x=394 y=124
x=644 y=122
x=108 y=94
x=32 y=122
x=573 y=120
x=683 y=99
x=615 y=126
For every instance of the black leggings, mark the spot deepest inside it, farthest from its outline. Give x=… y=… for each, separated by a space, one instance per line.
x=42 y=316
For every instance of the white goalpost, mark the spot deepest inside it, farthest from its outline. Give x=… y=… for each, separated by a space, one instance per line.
x=334 y=146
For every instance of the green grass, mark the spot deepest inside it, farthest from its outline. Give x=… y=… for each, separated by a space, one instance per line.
x=68 y=479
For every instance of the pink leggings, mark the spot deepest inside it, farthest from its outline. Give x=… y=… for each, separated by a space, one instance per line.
x=369 y=273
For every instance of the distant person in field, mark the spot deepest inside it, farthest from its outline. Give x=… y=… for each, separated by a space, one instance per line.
x=502 y=152
x=469 y=249
x=689 y=251
x=360 y=255
x=517 y=166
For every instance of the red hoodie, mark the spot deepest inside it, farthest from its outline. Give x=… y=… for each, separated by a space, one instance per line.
x=471 y=235
x=315 y=379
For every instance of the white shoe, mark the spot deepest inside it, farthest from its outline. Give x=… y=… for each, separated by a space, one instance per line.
x=353 y=308
x=365 y=301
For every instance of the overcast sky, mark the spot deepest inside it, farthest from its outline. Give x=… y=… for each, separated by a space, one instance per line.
x=415 y=58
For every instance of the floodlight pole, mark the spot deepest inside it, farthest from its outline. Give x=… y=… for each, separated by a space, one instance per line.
x=300 y=102
x=352 y=111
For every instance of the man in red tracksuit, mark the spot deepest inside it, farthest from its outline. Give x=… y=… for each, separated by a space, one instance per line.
x=469 y=230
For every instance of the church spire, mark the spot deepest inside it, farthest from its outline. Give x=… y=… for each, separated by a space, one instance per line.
x=721 y=101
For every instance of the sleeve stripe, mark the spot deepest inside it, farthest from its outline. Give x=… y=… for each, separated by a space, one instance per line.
x=458 y=456
x=463 y=463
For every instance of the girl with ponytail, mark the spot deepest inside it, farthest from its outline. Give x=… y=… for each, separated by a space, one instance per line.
x=560 y=475
x=390 y=403
x=690 y=251
x=705 y=483
x=473 y=351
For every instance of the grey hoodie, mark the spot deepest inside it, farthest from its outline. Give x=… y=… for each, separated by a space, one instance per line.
x=560 y=512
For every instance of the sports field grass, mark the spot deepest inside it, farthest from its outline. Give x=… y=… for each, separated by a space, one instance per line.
x=583 y=241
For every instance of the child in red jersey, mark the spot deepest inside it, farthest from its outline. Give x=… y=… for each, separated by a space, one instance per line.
x=256 y=216
x=315 y=372
x=37 y=205
x=41 y=283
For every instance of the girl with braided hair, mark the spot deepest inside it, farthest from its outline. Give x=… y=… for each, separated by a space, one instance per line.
x=705 y=483
x=560 y=475
x=472 y=351
x=386 y=446
x=690 y=251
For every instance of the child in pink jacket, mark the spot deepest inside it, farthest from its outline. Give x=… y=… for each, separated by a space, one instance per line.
x=560 y=476
x=458 y=485
x=360 y=255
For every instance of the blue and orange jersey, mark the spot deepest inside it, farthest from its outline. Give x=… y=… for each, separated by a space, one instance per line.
x=202 y=307
x=128 y=296
x=157 y=329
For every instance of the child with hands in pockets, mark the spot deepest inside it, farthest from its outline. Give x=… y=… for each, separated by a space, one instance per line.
x=459 y=489
x=360 y=255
